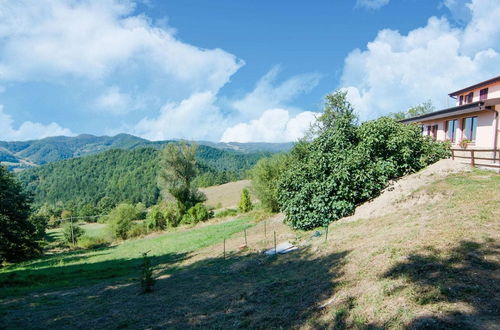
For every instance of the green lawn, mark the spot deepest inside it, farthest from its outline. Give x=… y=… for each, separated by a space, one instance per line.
x=120 y=262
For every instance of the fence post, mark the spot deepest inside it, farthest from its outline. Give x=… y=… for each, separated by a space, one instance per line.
x=224 y=248
x=275 y=253
x=265 y=229
x=472 y=163
x=246 y=244
x=452 y=154
x=72 y=231
x=326 y=234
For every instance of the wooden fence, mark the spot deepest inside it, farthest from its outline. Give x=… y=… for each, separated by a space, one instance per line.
x=479 y=157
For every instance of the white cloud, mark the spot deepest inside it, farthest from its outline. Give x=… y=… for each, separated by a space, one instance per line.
x=372 y=4
x=115 y=102
x=195 y=118
x=275 y=125
x=268 y=94
x=28 y=130
x=92 y=39
x=398 y=71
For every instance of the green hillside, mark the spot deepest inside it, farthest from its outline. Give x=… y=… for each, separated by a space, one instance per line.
x=57 y=148
x=124 y=175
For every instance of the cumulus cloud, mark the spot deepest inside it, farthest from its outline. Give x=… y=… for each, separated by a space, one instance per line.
x=50 y=39
x=398 y=71
x=269 y=94
x=28 y=130
x=195 y=118
x=372 y=4
x=114 y=101
x=275 y=125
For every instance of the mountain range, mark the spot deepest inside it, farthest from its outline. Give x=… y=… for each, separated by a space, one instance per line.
x=18 y=155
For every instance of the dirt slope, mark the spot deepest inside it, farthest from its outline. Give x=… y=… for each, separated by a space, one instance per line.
x=401 y=193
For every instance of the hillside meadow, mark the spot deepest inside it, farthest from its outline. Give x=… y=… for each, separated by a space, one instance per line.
x=431 y=265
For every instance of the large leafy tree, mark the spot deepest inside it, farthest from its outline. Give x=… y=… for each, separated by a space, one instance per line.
x=347 y=164
x=18 y=236
x=177 y=172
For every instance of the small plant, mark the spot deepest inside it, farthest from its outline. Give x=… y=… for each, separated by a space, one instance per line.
x=464 y=143
x=147 y=280
x=245 y=204
x=72 y=232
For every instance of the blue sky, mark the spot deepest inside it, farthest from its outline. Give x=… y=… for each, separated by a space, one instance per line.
x=227 y=70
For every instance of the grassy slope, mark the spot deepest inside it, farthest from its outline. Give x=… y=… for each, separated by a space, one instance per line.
x=225 y=195
x=71 y=269
x=434 y=265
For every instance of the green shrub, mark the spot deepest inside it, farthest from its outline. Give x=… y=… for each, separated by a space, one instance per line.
x=92 y=242
x=40 y=223
x=245 y=203
x=265 y=175
x=197 y=213
x=155 y=219
x=72 y=232
x=120 y=220
x=347 y=164
x=137 y=229
x=147 y=279
x=226 y=213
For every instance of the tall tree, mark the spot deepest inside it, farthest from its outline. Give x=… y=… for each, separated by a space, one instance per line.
x=414 y=111
x=17 y=234
x=177 y=172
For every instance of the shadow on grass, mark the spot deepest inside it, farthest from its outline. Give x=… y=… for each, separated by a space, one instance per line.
x=467 y=274
x=251 y=291
x=54 y=273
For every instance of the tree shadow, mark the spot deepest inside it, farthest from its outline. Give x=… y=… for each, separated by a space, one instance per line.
x=468 y=274
x=239 y=291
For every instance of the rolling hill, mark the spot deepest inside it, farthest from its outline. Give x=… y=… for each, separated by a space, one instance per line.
x=19 y=155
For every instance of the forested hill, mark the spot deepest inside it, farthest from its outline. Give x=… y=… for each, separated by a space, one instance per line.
x=24 y=154
x=124 y=175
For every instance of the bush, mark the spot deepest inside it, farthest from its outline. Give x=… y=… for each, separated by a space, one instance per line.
x=120 y=220
x=197 y=213
x=245 y=203
x=346 y=165
x=72 y=232
x=226 y=213
x=92 y=242
x=265 y=175
x=155 y=220
x=137 y=229
x=40 y=223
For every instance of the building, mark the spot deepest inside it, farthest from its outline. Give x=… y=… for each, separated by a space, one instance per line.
x=474 y=120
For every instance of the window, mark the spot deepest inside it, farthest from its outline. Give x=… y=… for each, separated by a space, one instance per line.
x=434 y=131
x=451 y=129
x=469 y=97
x=469 y=128
x=461 y=100
x=429 y=127
x=483 y=94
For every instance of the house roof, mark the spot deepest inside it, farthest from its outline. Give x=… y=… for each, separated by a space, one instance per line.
x=453 y=111
x=481 y=84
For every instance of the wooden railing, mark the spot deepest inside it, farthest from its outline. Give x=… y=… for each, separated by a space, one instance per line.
x=476 y=157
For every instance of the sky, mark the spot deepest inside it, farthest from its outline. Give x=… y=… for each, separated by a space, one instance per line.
x=231 y=71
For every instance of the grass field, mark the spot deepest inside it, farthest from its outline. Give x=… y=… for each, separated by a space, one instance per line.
x=74 y=268
x=225 y=195
x=432 y=266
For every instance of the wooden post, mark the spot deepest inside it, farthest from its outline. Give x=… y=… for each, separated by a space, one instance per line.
x=265 y=229
x=246 y=244
x=326 y=234
x=275 y=243
x=452 y=154
x=472 y=163
x=72 y=231
x=224 y=248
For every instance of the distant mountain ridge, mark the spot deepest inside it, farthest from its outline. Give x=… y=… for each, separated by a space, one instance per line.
x=24 y=154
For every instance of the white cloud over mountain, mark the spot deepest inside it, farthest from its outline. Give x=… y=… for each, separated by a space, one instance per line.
x=274 y=125
x=28 y=130
x=397 y=71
